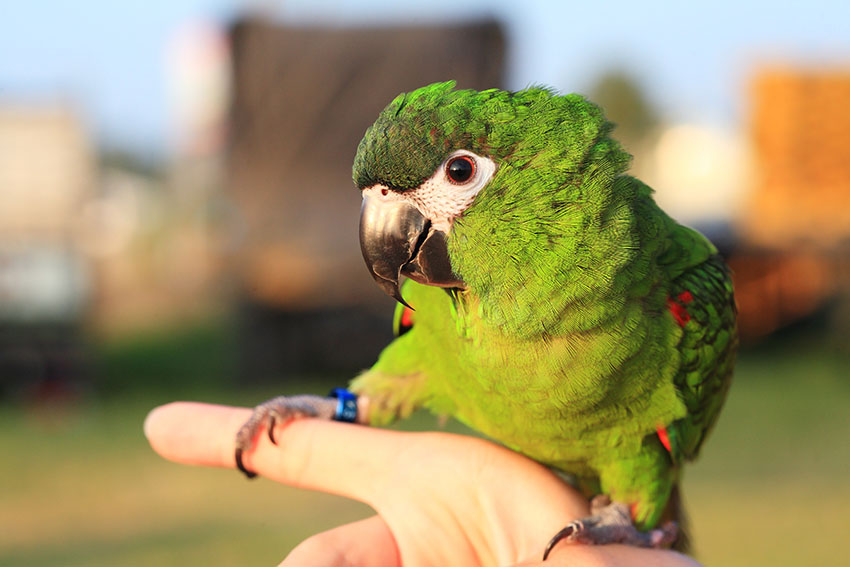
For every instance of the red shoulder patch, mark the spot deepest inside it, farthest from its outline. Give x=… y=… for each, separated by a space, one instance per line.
x=664 y=438
x=407 y=317
x=677 y=307
x=405 y=322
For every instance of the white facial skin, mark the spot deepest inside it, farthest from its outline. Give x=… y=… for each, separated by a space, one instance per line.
x=438 y=198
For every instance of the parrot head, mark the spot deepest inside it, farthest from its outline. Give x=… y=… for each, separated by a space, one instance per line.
x=436 y=155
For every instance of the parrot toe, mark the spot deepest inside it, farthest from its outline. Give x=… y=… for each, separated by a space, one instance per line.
x=279 y=410
x=610 y=522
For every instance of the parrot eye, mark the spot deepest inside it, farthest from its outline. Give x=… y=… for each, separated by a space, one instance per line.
x=460 y=169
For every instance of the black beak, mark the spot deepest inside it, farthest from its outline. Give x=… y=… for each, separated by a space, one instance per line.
x=397 y=240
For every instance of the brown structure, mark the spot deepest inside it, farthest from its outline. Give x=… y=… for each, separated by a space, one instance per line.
x=302 y=99
x=797 y=228
x=801 y=133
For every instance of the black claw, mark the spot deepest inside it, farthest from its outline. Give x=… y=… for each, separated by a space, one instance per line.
x=241 y=467
x=563 y=534
x=271 y=430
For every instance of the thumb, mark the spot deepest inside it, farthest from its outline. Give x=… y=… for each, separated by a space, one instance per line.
x=363 y=543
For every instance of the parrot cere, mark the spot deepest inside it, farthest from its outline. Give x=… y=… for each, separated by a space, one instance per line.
x=549 y=303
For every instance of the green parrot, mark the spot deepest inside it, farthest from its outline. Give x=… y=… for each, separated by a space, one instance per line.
x=549 y=304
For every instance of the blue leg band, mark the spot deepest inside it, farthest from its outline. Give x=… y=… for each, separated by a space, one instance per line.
x=346 y=407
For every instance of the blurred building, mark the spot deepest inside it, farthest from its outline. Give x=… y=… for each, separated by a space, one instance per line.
x=46 y=175
x=154 y=257
x=151 y=230
x=302 y=99
x=154 y=231
x=200 y=79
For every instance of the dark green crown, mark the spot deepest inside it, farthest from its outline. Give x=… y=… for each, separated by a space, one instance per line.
x=417 y=130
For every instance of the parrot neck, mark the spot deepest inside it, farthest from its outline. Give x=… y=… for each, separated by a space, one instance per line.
x=565 y=265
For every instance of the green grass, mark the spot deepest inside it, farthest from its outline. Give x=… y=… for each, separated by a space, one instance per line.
x=80 y=486
x=772 y=486
x=87 y=490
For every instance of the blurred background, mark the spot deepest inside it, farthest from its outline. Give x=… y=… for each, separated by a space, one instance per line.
x=177 y=220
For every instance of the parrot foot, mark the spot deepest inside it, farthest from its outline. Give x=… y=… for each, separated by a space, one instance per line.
x=611 y=522
x=276 y=411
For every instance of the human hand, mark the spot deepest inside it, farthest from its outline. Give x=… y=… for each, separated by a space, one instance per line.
x=441 y=499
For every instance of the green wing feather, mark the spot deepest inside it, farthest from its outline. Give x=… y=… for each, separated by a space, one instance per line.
x=704 y=296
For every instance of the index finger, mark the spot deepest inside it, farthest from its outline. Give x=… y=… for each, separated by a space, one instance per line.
x=309 y=454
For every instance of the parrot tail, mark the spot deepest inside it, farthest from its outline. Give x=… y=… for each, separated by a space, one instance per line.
x=675 y=512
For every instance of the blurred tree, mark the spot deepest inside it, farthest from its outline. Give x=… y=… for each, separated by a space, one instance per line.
x=131 y=161
x=625 y=103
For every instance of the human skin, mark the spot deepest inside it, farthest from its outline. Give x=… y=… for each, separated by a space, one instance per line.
x=441 y=499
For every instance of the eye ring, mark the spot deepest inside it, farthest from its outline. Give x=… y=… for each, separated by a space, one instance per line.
x=460 y=170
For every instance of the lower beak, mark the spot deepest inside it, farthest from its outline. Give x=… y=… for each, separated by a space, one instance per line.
x=397 y=240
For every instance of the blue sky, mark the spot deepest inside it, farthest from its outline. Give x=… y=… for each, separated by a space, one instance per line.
x=109 y=57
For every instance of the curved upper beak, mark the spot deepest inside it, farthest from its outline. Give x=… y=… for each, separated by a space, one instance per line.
x=397 y=240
